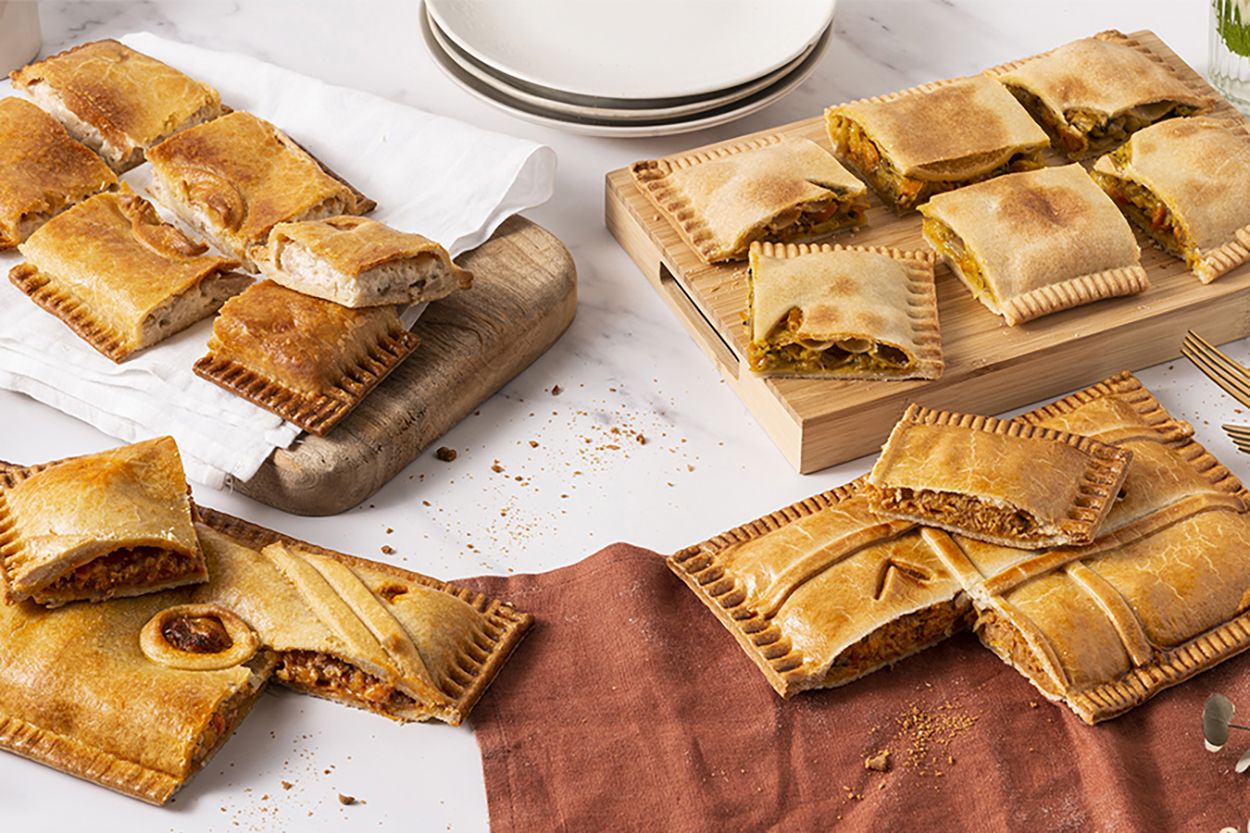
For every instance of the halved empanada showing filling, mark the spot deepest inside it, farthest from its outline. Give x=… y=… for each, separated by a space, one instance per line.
x=846 y=312
x=1186 y=184
x=328 y=676
x=1093 y=94
x=769 y=190
x=113 y=524
x=905 y=192
x=938 y=137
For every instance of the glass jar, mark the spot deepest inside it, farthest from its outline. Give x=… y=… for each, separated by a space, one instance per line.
x=1230 y=50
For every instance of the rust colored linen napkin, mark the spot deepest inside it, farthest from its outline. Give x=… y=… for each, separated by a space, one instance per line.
x=629 y=708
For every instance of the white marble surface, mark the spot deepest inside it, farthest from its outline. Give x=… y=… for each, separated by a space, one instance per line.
x=626 y=364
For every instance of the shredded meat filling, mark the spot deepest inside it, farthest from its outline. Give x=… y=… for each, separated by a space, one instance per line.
x=319 y=672
x=901 y=637
x=197 y=634
x=123 y=567
x=963 y=511
x=1004 y=639
x=906 y=192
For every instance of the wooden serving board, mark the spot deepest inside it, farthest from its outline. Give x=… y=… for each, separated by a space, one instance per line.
x=524 y=296
x=990 y=367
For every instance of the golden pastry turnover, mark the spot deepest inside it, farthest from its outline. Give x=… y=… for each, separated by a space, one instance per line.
x=115 y=100
x=937 y=137
x=137 y=694
x=768 y=190
x=118 y=523
x=1004 y=482
x=1158 y=597
x=42 y=171
x=1033 y=243
x=307 y=360
x=843 y=312
x=1186 y=183
x=825 y=591
x=119 y=277
x=238 y=176
x=358 y=262
x=1092 y=94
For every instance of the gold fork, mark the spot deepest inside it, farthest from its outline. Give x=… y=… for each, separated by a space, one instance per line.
x=1228 y=374
x=1219 y=368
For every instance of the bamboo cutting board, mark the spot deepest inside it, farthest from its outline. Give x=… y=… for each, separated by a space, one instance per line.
x=990 y=367
x=523 y=297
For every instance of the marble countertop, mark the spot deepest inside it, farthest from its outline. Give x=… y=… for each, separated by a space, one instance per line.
x=625 y=364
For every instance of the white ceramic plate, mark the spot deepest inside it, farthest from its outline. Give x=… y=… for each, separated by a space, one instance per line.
x=549 y=118
x=634 y=49
x=601 y=109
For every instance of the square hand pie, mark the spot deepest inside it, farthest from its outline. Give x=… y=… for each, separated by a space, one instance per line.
x=238 y=176
x=913 y=144
x=307 y=360
x=1004 y=482
x=115 y=100
x=42 y=170
x=119 y=277
x=843 y=312
x=825 y=591
x=1033 y=243
x=138 y=694
x=1159 y=597
x=1092 y=94
x=93 y=528
x=1186 y=183
x=770 y=189
x=359 y=262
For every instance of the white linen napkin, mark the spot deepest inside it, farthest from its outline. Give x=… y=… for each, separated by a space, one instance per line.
x=432 y=175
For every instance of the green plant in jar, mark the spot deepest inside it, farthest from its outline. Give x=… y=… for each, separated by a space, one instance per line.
x=1232 y=21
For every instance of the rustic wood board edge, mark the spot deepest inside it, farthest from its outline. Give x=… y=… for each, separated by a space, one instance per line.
x=820 y=424
x=523 y=298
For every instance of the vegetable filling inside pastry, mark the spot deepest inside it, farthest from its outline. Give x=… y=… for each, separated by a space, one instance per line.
x=787 y=346
x=951 y=247
x=1147 y=211
x=901 y=191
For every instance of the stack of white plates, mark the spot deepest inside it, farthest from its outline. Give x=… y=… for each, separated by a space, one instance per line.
x=628 y=67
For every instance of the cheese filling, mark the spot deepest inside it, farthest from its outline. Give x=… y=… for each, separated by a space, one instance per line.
x=326 y=675
x=903 y=191
x=787 y=349
x=963 y=511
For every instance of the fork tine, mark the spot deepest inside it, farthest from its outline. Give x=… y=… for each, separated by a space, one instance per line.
x=1238 y=389
x=1216 y=355
x=1243 y=447
x=1241 y=442
x=1237 y=431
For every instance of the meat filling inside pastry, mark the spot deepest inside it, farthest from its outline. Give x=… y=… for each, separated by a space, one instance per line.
x=1186 y=183
x=1092 y=94
x=115 y=100
x=1030 y=244
x=94 y=528
x=42 y=171
x=768 y=190
x=996 y=481
x=121 y=278
x=843 y=312
x=359 y=262
x=920 y=142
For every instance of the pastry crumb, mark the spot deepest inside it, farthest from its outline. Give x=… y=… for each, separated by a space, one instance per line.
x=445 y=454
x=346 y=799
x=879 y=762
x=387 y=549
x=533 y=443
x=556 y=390
x=286 y=785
